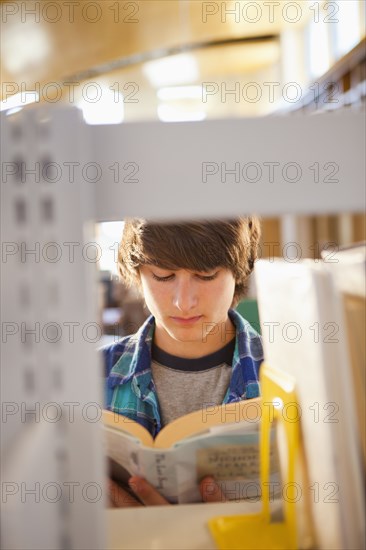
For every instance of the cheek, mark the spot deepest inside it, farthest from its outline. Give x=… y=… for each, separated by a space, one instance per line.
x=225 y=292
x=154 y=295
x=146 y=291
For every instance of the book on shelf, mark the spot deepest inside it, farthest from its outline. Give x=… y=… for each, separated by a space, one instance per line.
x=348 y=273
x=221 y=441
x=313 y=319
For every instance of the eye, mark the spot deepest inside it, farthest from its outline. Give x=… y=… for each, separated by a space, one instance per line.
x=170 y=277
x=162 y=279
x=207 y=277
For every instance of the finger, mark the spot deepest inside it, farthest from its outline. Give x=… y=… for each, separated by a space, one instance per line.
x=119 y=497
x=210 y=491
x=146 y=492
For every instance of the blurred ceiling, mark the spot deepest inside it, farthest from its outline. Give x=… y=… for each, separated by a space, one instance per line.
x=48 y=41
x=44 y=42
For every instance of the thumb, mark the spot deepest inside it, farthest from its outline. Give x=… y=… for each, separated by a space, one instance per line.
x=210 y=490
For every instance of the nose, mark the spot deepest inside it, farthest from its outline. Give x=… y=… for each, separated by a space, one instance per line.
x=185 y=296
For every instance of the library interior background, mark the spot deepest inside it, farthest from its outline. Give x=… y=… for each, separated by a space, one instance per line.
x=169 y=62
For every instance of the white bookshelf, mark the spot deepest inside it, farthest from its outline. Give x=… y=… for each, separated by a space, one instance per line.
x=169 y=159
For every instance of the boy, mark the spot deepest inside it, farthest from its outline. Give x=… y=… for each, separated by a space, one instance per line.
x=194 y=350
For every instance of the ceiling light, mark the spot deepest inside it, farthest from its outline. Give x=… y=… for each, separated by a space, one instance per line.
x=180 y=92
x=167 y=113
x=175 y=69
x=25 y=46
x=18 y=101
x=108 y=108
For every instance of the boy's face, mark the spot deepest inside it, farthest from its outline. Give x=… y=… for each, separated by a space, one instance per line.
x=189 y=306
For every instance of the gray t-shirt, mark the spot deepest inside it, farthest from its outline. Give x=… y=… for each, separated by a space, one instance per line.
x=187 y=385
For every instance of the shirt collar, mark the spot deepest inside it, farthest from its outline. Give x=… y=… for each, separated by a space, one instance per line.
x=135 y=361
x=136 y=356
x=244 y=333
x=242 y=328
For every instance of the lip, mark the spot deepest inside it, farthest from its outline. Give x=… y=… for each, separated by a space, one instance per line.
x=186 y=321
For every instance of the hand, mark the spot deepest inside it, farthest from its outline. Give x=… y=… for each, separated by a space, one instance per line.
x=119 y=497
x=146 y=492
x=209 y=489
x=149 y=496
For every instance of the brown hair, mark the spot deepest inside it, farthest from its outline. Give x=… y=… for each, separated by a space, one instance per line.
x=198 y=246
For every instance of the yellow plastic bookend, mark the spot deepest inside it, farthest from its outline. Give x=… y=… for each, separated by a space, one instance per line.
x=256 y=531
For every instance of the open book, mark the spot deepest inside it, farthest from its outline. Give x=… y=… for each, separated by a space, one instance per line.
x=221 y=441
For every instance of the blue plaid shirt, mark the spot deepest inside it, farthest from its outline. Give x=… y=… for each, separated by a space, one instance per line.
x=130 y=388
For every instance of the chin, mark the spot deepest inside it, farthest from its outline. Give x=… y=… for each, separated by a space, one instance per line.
x=186 y=334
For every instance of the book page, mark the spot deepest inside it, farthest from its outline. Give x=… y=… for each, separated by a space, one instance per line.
x=241 y=427
x=126 y=426
x=231 y=458
x=355 y=312
x=122 y=449
x=127 y=456
x=158 y=466
x=229 y=462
